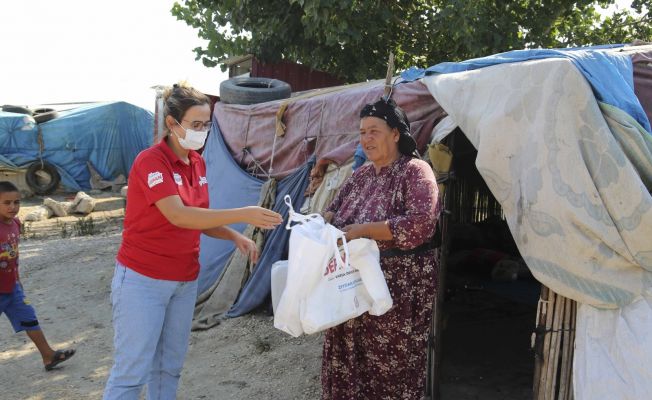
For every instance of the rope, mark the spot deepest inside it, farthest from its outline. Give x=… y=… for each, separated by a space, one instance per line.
x=321 y=125
x=305 y=138
x=256 y=164
x=41 y=145
x=271 y=160
x=244 y=148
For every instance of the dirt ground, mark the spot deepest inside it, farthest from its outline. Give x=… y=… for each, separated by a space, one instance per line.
x=67 y=278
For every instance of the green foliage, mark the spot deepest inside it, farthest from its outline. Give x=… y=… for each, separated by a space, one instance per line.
x=85 y=227
x=64 y=230
x=352 y=38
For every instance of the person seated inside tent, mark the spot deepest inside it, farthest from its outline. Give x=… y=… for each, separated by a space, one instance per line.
x=393 y=200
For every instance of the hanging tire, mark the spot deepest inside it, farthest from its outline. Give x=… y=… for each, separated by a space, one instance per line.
x=17 y=109
x=44 y=115
x=43 y=178
x=245 y=90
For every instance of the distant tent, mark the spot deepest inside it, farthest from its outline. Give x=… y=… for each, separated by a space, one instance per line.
x=108 y=135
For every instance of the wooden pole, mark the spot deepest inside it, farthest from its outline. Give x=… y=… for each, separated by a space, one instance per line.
x=553 y=345
x=564 y=382
x=573 y=323
x=551 y=361
x=542 y=343
x=555 y=336
x=388 y=77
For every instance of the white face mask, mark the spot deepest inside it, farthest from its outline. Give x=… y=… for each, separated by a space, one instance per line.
x=194 y=140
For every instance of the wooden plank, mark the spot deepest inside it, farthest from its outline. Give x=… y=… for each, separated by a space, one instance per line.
x=537 y=340
x=547 y=313
x=435 y=346
x=564 y=375
x=553 y=355
x=571 y=393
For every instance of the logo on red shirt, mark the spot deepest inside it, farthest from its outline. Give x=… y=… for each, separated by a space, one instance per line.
x=154 y=178
x=177 y=179
x=202 y=181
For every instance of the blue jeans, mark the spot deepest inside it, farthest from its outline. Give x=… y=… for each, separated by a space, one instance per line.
x=151 y=322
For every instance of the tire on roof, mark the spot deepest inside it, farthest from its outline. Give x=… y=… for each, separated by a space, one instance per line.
x=245 y=90
x=17 y=109
x=42 y=177
x=44 y=115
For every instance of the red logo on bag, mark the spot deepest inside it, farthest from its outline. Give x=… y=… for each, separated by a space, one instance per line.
x=332 y=264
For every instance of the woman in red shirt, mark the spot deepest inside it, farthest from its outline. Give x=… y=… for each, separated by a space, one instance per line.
x=154 y=287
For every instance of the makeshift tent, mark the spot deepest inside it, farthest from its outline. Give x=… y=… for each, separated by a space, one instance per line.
x=322 y=124
x=563 y=144
x=108 y=135
x=572 y=175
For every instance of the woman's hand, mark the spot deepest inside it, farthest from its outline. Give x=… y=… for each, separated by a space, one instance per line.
x=328 y=216
x=262 y=217
x=355 y=231
x=370 y=230
x=247 y=247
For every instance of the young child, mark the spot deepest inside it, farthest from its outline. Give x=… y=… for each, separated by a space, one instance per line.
x=12 y=299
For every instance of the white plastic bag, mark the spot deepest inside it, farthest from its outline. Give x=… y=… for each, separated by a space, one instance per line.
x=365 y=257
x=312 y=244
x=337 y=296
x=279 y=280
x=351 y=284
x=325 y=286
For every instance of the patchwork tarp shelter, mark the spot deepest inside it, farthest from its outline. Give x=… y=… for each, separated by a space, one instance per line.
x=563 y=141
x=108 y=135
x=564 y=166
x=572 y=174
x=248 y=146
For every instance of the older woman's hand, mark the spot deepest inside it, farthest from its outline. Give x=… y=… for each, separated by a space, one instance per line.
x=370 y=230
x=328 y=216
x=355 y=231
x=247 y=247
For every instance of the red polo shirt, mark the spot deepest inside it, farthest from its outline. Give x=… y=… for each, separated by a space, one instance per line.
x=151 y=245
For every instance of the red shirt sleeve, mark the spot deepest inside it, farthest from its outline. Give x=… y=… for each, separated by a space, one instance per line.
x=153 y=174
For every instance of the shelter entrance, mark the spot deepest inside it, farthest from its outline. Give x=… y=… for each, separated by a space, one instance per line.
x=488 y=298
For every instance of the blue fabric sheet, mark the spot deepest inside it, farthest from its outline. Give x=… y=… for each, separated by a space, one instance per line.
x=230 y=187
x=610 y=74
x=359 y=157
x=109 y=135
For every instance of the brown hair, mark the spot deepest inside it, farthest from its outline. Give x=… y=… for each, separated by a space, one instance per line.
x=179 y=98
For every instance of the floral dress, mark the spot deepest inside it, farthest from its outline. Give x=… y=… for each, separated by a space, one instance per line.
x=384 y=357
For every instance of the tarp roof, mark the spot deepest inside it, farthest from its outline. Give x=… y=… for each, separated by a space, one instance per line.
x=109 y=135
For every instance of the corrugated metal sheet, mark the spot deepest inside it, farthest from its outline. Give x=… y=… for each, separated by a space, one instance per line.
x=300 y=77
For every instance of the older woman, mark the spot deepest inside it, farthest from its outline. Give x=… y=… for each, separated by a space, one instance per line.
x=393 y=200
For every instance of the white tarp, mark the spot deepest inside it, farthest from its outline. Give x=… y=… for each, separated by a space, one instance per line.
x=613 y=352
x=574 y=202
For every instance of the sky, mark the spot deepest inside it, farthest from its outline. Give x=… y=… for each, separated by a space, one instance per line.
x=97 y=50
x=91 y=50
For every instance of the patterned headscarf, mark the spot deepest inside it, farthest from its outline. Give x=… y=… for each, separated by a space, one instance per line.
x=395 y=118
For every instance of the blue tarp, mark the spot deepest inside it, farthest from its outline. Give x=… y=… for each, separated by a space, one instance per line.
x=109 y=135
x=231 y=187
x=609 y=73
